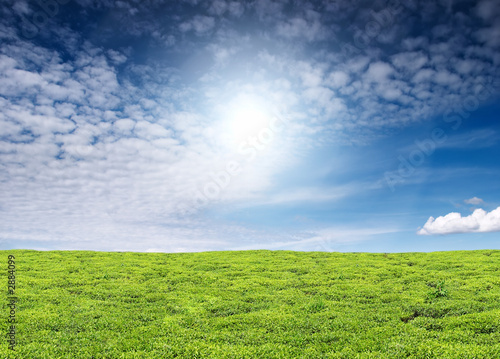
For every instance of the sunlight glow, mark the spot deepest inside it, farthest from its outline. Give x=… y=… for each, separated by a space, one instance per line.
x=245 y=117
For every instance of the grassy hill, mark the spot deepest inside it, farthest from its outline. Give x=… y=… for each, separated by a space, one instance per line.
x=254 y=304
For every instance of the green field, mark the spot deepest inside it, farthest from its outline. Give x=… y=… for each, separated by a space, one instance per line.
x=254 y=304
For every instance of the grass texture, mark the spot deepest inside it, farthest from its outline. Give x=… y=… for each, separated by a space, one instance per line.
x=254 y=304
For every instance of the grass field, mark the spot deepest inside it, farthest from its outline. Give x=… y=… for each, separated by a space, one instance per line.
x=254 y=304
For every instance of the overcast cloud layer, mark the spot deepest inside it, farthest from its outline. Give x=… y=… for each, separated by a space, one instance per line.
x=122 y=121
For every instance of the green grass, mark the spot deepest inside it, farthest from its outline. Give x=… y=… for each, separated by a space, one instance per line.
x=255 y=304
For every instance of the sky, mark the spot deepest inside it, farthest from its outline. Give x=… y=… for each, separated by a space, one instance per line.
x=209 y=125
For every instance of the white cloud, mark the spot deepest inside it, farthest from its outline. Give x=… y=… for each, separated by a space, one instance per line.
x=236 y=8
x=304 y=195
x=321 y=95
x=323 y=239
x=266 y=9
x=117 y=57
x=337 y=79
x=124 y=126
x=379 y=72
x=424 y=75
x=474 y=201
x=481 y=138
x=89 y=174
x=218 y=7
x=490 y=36
x=446 y=78
x=488 y=9
x=390 y=93
x=479 y=221
x=300 y=28
x=310 y=75
x=21 y=7
x=200 y=24
x=468 y=66
x=411 y=61
x=150 y=131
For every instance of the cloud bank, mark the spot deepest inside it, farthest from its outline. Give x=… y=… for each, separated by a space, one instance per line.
x=479 y=221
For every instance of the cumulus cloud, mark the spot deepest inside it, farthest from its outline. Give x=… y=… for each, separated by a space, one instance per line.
x=478 y=222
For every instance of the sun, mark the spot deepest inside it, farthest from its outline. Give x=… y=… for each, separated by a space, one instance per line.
x=244 y=117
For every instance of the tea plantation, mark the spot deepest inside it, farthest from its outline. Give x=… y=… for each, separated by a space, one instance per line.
x=253 y=304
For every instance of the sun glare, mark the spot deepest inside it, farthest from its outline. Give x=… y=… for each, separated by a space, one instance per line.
x=245 y=117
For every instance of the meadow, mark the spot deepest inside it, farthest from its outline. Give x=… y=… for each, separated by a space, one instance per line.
x=254 y=304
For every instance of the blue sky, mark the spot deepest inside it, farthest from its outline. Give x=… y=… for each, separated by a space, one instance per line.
x=198 y=125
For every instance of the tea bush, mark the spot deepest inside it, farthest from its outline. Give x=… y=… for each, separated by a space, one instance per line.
x=254 y=304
